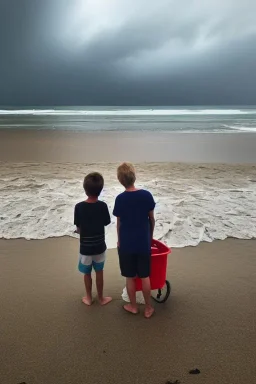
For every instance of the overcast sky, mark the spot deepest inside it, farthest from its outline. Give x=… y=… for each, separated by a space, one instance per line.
x=127 y=52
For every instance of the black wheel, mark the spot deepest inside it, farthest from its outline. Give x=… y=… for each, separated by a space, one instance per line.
x=161 y=295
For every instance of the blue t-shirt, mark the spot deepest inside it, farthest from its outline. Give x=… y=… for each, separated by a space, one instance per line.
x=133 y=209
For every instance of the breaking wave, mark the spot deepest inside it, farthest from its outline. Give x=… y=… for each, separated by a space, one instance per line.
x=194 y=203
x=126 y=112
x=241 y=128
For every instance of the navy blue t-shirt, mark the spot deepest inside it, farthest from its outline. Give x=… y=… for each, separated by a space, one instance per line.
x=133 y=209
x=91 y=219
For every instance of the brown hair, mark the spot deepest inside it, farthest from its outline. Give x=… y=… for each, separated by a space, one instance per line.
x=93 y=184
x=126 y=174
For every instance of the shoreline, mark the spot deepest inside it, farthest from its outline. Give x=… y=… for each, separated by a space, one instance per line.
x=123 y=131
x=113 y=249
x=137 y=164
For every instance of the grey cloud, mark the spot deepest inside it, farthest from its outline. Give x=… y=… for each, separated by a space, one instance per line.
x=191 y=52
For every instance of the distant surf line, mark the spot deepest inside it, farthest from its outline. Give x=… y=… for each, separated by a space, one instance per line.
x=126 y=112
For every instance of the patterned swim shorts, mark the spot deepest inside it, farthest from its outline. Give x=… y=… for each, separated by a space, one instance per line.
x=86 y=263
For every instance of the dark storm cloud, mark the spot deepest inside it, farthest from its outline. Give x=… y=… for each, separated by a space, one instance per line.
x=119 y=52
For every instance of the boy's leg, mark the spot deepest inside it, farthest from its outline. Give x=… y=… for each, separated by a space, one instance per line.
x=98 y=265
x=131 y=290
x=85 y=267
x=128 y=269
x=143 y=273
x=99 y=284
x=88 y=288
x=146 y=290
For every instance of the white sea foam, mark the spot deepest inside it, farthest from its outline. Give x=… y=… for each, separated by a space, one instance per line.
x=126 y=112
x=194 y=203
x=241 y=128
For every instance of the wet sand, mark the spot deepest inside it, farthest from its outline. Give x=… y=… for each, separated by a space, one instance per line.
x=67 y=146
x=48 y=336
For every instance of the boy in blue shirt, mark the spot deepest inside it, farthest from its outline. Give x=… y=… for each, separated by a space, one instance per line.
x=134 y=209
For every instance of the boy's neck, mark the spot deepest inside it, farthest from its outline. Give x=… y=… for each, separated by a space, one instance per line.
x=131 y=188
x=91 y=199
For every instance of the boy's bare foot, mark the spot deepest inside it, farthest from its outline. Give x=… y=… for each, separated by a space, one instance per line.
x=87 y=300
x=149 y=311
x=105 y=300
x=129 y=308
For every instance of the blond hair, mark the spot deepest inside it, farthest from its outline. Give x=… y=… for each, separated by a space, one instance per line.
x=126 y=174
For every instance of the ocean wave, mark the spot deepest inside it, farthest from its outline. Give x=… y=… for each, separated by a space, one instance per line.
x=193 y=203
x=241 y=128
x=126 y=112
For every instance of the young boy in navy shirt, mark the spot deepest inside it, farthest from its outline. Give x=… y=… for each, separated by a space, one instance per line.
x=91 y=216
x=134 y=209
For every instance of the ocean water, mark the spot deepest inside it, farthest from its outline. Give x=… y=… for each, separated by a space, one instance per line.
x=173 y=119
x=194 y=203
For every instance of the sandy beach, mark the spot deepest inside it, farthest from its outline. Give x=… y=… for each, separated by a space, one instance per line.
x=49 y=336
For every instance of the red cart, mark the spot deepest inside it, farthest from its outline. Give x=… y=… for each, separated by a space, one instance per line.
x=161 y=288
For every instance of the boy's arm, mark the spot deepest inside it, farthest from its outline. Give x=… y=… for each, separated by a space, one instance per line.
x=107 y=219
x=151 y=207
x=117 y=229
x=151 y=222
x=76 y=220
x=117 y=213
